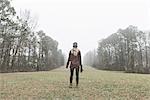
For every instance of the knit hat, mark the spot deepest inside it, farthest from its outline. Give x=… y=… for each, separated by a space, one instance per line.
x=75 y=45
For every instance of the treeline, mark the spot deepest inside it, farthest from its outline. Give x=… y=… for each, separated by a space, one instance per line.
x=23 y=49
x=126 y=50
x=90 y=58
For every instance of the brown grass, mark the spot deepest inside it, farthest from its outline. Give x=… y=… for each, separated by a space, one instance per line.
x=94 y=85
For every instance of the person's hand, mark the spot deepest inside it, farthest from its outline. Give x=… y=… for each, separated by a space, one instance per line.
x=81 y=70
x=66 y=66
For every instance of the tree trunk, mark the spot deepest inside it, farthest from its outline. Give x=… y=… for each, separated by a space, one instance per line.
x=146 y=56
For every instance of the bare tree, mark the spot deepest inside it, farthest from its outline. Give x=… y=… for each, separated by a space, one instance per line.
x=127 y=50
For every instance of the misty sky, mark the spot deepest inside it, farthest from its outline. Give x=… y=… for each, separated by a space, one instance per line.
x=85 y=21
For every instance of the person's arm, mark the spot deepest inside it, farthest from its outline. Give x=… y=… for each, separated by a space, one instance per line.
x=80 y=61
x=68 y=59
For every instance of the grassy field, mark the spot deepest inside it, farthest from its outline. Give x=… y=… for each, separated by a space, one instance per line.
x=94 y=85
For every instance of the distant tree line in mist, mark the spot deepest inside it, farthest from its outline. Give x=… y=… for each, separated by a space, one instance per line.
x=126 y=50
x=23 y=49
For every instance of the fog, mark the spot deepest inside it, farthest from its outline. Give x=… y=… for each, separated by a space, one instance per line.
x=85 y=21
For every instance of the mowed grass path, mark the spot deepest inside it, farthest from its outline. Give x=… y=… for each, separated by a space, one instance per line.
x=94 y=85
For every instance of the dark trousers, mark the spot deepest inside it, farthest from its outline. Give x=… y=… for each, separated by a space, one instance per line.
x=77 y=75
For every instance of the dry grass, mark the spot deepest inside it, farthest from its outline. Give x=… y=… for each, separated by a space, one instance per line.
x=94 y=85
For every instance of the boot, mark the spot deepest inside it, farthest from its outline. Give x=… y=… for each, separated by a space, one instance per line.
x=70 y=86
x=76 y=85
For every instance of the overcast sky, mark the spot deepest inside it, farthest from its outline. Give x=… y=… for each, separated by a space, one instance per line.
x=85 y=21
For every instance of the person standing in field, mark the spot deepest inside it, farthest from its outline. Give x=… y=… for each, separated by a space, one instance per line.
x=75 y=63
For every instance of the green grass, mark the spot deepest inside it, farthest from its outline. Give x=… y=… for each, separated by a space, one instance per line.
x=94 y=85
